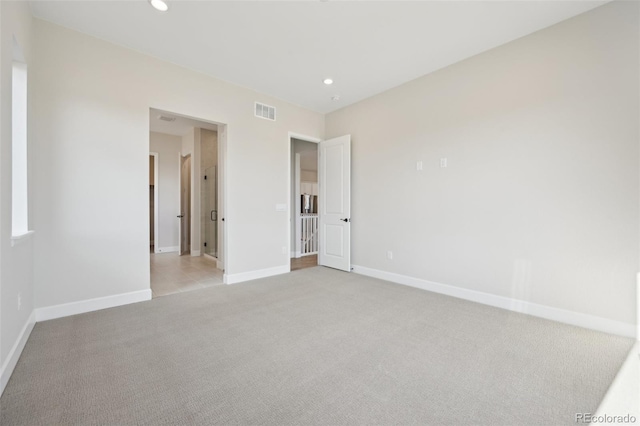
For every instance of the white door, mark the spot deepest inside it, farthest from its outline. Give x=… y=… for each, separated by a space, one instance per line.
x=335 y=203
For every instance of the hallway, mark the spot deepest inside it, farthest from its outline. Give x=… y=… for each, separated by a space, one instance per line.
x=171 y=273
x=304 y=262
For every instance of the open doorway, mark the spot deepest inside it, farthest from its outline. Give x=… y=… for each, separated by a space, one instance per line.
x=304 y=204
x=187 y=239
x=321 y=225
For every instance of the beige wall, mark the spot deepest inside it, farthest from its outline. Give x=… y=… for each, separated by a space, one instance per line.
x=16 y=262
x=209 y=150
x=309 y=175
x=168 y=202
x=93 y=102
x=151 y=171
x=191 y=146
x=540 y=198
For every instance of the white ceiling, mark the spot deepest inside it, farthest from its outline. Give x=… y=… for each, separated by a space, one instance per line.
x=179 y=127
x=286 y=48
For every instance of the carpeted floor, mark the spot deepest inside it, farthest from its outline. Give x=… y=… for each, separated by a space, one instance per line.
x=315 y=346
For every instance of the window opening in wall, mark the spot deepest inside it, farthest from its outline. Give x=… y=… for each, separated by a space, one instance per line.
x=19 y=197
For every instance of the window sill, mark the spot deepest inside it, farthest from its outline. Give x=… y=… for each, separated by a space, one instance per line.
x=19 y=238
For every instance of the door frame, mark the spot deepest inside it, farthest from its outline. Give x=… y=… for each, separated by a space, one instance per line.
x=156 y=190
x=305 y=138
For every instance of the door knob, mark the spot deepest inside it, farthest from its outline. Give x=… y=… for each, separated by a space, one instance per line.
x=180 y=216
x=346 y=220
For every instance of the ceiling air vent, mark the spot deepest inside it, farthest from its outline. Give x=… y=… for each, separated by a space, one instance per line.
x=265 y=111
x=166 y=118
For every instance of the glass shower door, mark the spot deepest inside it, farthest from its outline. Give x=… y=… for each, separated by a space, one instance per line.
x=210 y=203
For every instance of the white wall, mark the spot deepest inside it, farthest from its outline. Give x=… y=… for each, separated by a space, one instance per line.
x=93 y=101
x=16 y=263
x=540 y=198
x=168 y=202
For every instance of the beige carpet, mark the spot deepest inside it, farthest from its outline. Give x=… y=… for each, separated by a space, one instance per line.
x=316 y=346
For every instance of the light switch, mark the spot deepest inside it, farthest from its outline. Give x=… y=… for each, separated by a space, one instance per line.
x=419 y=165
x=443 y=162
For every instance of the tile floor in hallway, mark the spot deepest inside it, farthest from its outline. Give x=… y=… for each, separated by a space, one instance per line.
x=172 y=273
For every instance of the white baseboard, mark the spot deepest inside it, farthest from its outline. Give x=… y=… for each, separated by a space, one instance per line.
x=195 y=252
x=64 y=310
x=11 y=361
x=548 y=312
x=254 y=275
x=90 y=305
x=166 y=249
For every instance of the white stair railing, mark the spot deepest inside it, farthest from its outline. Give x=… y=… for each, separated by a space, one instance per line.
x=308 y=234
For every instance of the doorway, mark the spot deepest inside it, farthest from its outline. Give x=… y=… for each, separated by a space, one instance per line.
x=188 y=244
x=329 y=237
x=304 y=204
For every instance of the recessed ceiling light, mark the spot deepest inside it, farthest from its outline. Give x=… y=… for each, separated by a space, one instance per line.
x=327 y=81
x=160 y=5
x=335 y=98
